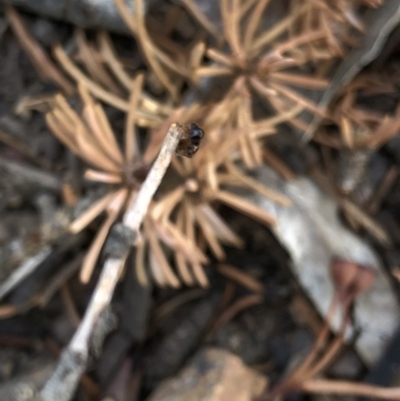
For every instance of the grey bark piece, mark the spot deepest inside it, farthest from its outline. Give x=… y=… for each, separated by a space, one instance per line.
x=312 y=233
x=83 y=13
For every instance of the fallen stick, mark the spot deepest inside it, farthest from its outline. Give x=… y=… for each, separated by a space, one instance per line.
x=73 y=362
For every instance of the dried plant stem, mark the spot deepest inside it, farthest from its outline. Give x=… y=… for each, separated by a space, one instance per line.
x=202 y=18
x=209 y=235
x=125 y=15
x=73 y=362
x=159 y=263
x=154 y=57
x=110 y=58
x=93 y=86
x=319 y=343
x=240 y=277
x=219 y=57
x=274 y=32
x=350 y=388
x=168 y=307
x=274 y=161
x=243 y=206
x=362 y=218
x=256 y=186
x=230 y=17
x=331 y=352
x=93 y=64
x=100 y=176
x=131 y=147
x=113 y=210
x=240 y=305
x=88 y=216
x=254 y=22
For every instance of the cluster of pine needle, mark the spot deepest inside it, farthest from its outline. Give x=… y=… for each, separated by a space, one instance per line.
x=265 y=62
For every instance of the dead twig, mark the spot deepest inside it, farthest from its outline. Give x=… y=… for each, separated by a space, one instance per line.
x=240 y=305
x=240 y=277
x=167 y=308
x=73 y=362
x=197 y=13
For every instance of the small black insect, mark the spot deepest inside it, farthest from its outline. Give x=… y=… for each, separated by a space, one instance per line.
x=190 y=140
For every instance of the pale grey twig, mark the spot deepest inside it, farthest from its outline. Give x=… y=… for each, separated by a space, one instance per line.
x=24 y=270
x=62 y=384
